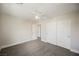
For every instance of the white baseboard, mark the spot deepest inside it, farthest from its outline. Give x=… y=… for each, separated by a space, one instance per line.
x=43 y=40
x=5 y=46
x=75 y=51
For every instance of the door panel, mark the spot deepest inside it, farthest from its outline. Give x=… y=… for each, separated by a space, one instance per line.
x=63 y=33
x=51 y=32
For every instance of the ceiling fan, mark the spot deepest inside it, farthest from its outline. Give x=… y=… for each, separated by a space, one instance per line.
x=40 y=15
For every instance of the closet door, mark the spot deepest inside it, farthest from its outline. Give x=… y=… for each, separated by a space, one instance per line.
x=63 y=33
x=51 y=32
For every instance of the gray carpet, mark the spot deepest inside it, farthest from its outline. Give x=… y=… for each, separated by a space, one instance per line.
x=36 y=48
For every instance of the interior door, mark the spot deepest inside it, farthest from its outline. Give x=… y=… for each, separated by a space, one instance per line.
x=51 y=32
x=34 y=33
x=63 y=33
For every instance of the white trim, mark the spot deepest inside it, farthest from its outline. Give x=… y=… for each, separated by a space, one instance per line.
x=5 y=46
x=75 y=51
x=44 y=40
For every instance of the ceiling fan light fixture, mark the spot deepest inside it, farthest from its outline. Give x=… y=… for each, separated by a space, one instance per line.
x=37 y=17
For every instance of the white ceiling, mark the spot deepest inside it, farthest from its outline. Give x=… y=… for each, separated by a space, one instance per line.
x=27 y=10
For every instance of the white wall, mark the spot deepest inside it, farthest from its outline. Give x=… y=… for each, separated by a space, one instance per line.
x=0 y=29
x=14 y=31
x=75 y=33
